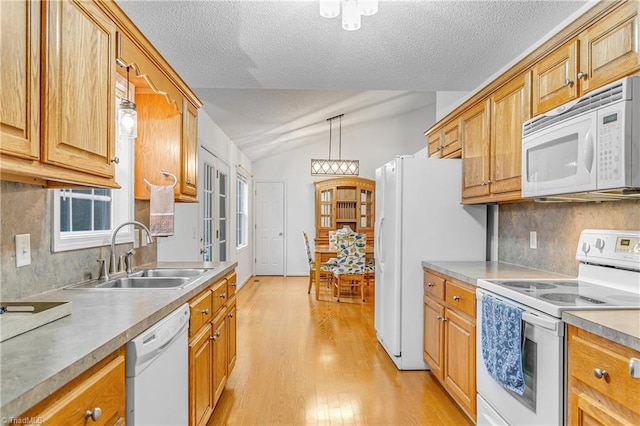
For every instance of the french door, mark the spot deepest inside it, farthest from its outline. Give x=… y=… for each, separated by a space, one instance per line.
x=214 y=207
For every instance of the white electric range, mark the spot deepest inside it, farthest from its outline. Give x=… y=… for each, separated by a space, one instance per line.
x=608 y=278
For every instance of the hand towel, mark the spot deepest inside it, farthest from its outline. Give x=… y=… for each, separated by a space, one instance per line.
x=502 y=343
x=161 y=211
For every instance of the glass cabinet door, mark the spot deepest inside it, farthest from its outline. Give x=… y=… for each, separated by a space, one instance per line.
x=366 y=209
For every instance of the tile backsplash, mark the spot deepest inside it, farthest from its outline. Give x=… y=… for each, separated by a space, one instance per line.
x=558 y=227
x=27 y=209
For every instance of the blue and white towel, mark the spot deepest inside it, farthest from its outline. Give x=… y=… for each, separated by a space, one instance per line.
x=502 y=343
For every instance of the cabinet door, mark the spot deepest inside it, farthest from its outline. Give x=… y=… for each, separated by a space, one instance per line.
x=554 y=78
x=474 y=126
x=433 y=338
x=609 y=48
x=189 y=149
x=451 y=139
x=434 y=144
x=220 y=364
x=200 y=377
x=232 y=327
x=460 y=361
x=510 y=107
x=20 y=78
x=79 y=87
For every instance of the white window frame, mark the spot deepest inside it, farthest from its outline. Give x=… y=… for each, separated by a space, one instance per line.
x=244 y=212
x=122 y=202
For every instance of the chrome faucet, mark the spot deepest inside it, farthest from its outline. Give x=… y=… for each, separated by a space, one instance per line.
x=112 y=257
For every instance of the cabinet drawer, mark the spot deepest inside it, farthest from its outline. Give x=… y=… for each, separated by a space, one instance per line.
x=433 y=285
x=231 y=285
x=219 y=294
x=103 y=389
x=588 y=352
x=461 y=298
x=201 y=310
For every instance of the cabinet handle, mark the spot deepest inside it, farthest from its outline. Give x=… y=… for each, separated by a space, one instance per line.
x=230 y=315
x=115 y=160
x=456 y=298
x=205 y=312
x=188 y=182
x=223 y=296
x=568 y=82
x=94 y=415
x=582 y=75
x=215 y=336
x=634 y=368
x=430 y=284
x=600 y=373
x=234 y=285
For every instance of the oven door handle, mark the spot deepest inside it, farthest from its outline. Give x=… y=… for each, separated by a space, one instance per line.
x=543 y=322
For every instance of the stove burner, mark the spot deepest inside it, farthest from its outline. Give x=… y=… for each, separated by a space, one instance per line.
x=570 y=298
x=528 y=285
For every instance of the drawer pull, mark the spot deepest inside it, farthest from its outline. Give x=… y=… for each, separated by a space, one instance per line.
x=94 y=415
x=205 y=312
x=456 y=298
x=223 y=296
x=429 y=284
x=634 y=368
x=600 y=373
x=230 y=315
x=441 y=318
x=215 y=336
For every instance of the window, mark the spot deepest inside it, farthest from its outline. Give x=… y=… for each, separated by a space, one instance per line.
x=84 y=218
x=242 y=217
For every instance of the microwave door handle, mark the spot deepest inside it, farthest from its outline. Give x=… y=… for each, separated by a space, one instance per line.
x=542 y=322
x=588 y=151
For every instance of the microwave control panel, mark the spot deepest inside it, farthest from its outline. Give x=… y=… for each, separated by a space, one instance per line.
x=610 y=151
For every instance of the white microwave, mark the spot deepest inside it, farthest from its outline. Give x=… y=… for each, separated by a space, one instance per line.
x=586 y=149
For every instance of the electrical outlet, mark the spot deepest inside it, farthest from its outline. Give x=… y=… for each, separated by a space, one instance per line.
x=533 y=240
x=23 y=250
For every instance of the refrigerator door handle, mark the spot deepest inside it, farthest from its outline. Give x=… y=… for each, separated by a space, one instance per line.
x=379 y=241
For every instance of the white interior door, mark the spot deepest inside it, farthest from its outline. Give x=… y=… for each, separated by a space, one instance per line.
x=269 y=202
x=214 y=207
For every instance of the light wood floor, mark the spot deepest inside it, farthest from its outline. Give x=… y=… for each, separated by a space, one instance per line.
x=302 y=361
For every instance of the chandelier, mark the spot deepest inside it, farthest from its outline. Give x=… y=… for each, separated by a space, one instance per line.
x=352 y=10
x=335 y=167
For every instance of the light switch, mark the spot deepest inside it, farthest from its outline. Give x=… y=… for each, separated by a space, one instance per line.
x=23 y=250
x=533 y=239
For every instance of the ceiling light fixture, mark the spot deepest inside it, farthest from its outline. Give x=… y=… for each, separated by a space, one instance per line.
x=127 y=116
x=335 y=167
x=352 y=10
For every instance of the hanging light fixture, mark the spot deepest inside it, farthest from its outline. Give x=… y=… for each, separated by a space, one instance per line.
x=335 y=167
x=127 y=116
x=352 y=10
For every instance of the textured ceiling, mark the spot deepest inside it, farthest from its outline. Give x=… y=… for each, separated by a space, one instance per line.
x=267 y=70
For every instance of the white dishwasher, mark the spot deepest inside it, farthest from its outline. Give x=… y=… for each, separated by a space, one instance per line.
x=157 y=373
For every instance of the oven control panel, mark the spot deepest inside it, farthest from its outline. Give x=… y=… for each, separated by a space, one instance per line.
x=610 y=248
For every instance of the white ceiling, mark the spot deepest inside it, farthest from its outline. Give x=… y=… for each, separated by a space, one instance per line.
x=269 y=70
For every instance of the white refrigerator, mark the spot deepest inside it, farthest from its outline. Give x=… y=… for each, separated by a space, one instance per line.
x=419 y=217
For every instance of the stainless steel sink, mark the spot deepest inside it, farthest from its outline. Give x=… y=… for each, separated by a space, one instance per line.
x=167 y=272
x=145 y=282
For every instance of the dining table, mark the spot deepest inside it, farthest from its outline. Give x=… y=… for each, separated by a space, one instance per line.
x=323 y=254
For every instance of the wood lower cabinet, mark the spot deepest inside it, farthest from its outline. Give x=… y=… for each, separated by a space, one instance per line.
x=600 y=389
x=101 y=388
x=212 y=347
x=449 y=342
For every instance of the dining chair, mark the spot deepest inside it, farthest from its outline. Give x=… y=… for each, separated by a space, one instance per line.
x=350 y=268
x=324 y=267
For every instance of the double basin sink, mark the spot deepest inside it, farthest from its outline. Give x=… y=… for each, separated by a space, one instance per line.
x=156 y=278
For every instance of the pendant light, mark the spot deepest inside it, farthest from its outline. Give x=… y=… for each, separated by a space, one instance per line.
x=338 y=167
x=127 y=116
x=352 y=11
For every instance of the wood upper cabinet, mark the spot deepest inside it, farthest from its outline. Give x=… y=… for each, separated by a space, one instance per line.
x=449 y=341
x=434 y=143
x=20 y=78
x=609 y=48
x=102 y=386
x=340 y=202
x=510 y=107
x=604 y=52
x=451 y=145
x=474 y=124
x=600 y=389
x=189 y=149
x=79 y=87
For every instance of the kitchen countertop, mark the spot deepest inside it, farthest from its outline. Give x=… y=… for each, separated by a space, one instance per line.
x=37 y=363
x=620 y=326
x=472 y=271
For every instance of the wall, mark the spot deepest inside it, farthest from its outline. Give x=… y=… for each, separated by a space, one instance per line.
x=27 y=209
x=558 y=226
x=185 y=244
x=373 y=142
